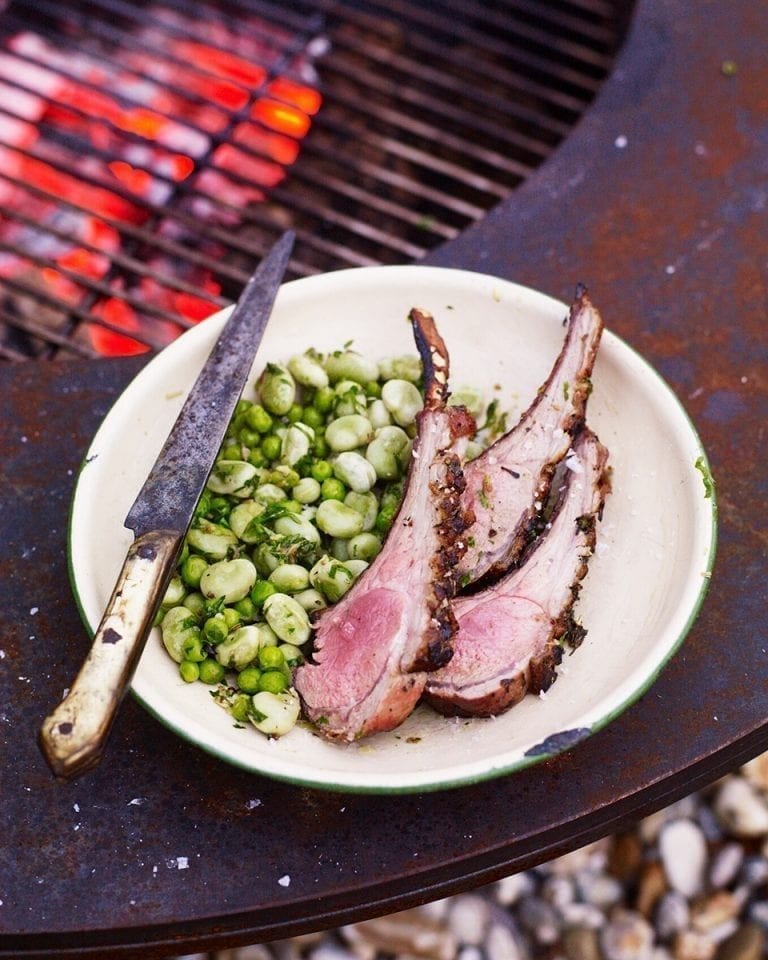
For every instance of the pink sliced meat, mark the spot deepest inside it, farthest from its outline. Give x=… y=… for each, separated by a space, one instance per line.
x=373 y=648
x=508 y=484
x=511 y=634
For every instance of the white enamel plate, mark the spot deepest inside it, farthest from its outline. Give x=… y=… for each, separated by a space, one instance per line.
x=645 y=584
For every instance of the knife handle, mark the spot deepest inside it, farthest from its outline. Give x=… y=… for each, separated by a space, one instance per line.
x=73 y=737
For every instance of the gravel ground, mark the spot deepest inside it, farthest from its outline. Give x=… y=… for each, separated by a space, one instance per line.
x=687 y=883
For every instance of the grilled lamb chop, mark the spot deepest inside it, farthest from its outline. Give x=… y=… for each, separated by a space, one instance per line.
x=510 y=634
x=508 y=484
x=373 y=648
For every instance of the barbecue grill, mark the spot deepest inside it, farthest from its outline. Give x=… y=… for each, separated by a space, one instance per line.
x=150 y=153
x=655 y=197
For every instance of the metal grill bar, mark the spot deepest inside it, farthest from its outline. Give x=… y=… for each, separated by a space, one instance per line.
x=446 y=109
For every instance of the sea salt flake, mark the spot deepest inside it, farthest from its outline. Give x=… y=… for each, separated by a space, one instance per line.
x=252 y=804
x=285 y=881
x=136 y=802
x=620 y=142
x=33 y=611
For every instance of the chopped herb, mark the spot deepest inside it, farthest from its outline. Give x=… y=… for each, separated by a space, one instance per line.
x=706 y=475
x=566 y=390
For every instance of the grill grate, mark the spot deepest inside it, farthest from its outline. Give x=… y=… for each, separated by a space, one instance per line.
x=150 y=153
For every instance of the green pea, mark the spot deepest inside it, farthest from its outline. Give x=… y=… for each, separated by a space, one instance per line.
x=195 y=602
x=215 y=629
x=296 y=413
x=324 y=399
x=271 y=446
x=246 y=609
x=232 y=617
x=248 y=679
x=211 y=671
x=320 y=447
x=321 y=470
x=332 y=489
x=249 y=438
x=189 y=671
x=192 y=648
x=192 y=569
x=240 y=707
x=271 y=658
x=232 y=451
x=260 y=591
x=256 y=458
x=373 y=389
x=273 y=681
x=313 y=418
x=258 y=419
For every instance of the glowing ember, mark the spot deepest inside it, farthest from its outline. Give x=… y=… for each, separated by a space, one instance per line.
x=106 y=145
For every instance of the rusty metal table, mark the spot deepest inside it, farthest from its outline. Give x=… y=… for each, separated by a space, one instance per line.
x=658 y=201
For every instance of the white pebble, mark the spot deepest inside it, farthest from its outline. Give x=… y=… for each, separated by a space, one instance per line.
x=683 y=850
x=502 y=944
x=510 y=889
x=726 y=865
x=285 y=880
x=672 y=914
x=740 y=808
x=468 y=919
x=628 y=936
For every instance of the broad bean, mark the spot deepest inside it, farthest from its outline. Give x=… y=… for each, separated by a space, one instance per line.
x=470 y=398
x=242 y=647
x=235 y=478
x=338 y=520
x=331 y=578
x=308 y=371
x=179 y=631
x=365 y=546
x=349 y=432
x=366 y=505
x=230 y=579
x=311 y=599
x=274 y=714
x=296 y=443
x=307 y=490
x=403 y=401
x=351 y=399
x=269 y=493
x=174 y=593
x=389 y=452
x=355 y=471
x=241 y=520
x=211 y=539
x=290 y=578
x=407 y=367
x=287 y=618
x=348 y=365
x=378 y=414
x=278 y=390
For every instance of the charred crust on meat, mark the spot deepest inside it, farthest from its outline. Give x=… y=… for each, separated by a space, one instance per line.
x=434 y=357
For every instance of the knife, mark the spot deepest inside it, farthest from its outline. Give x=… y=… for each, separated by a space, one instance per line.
x=73 y=737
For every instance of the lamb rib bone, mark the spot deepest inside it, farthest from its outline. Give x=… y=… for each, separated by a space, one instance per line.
x=511 y=633
x=508 y=484
x=374 y=647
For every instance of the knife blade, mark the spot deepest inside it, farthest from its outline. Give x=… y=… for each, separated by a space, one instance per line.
x=74 y=735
